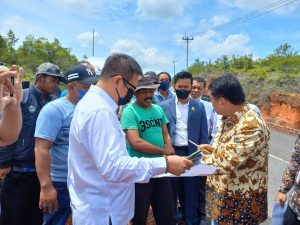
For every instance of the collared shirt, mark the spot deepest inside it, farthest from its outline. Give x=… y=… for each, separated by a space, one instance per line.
x=101 y=175
x=291 y=178
x=240 y=151
x=209 y=110
x=181 y=134
x=159 y=98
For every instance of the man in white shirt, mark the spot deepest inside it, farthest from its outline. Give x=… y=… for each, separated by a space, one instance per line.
x=187 y=122
x=101 y=174
x=198 y=89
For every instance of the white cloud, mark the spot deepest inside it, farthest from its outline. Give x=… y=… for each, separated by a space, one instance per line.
x=148 y=57
x=212 y=45
x=86 y=39
x=215 y=21
x=276 y=6
x=161 y=8
x=219 y=20
x=75 y=4
x=11 y=22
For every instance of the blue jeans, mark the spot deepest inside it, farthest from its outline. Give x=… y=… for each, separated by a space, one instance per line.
x=60 y=216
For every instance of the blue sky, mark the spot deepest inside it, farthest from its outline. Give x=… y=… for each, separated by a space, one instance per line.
x=152 y=30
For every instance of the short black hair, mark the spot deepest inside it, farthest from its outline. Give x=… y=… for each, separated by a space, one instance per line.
x=164 y=73
x=228 y=87
x=183 y=75
x=122 y=64
x=200 y=80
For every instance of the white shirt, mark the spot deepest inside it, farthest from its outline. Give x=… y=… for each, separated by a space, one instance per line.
x=181 y=134
x=101 y=175
x=209 y=111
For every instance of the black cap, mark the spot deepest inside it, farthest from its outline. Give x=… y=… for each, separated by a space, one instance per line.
x=51 y=70
x=82 y=74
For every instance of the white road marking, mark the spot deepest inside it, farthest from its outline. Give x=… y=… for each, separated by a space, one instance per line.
x=278 y=158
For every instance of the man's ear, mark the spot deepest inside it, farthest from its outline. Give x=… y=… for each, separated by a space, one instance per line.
x=116 y=80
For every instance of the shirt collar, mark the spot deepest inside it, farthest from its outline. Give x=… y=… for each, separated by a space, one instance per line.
x=235 y=117
x=178 y=102
x=109 y=100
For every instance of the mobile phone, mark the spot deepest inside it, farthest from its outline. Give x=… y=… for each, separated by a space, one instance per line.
x=12 y=80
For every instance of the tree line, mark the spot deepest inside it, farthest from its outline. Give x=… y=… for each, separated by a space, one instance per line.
x=277 y=72
x=33 y=52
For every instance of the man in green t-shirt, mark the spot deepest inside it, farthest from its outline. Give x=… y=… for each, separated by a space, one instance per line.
x=145 y=126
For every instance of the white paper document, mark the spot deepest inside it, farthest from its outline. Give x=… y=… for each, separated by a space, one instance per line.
x=278 y=213
x=197 y=170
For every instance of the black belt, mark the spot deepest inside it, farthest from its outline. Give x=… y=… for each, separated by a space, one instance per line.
x=183 y=148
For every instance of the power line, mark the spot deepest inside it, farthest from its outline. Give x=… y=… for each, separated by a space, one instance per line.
x=174 y=61
x=267 y=9
x=187 y=39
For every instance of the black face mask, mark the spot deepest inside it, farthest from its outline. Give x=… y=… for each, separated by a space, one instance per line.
x=183 y=93
x=126 y=99
x=130 y=92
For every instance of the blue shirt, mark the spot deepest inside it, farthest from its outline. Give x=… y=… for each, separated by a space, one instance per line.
x=53 y=124
x=159 y=98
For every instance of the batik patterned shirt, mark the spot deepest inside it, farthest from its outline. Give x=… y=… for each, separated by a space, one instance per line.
x=291 y=178
x=238 y=193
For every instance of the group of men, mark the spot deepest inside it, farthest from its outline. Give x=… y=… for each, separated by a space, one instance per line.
x=75 y=154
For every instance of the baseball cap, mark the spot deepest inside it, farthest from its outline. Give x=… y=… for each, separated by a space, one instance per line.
x=51 y=70
x=146 y=82
x=82 y=74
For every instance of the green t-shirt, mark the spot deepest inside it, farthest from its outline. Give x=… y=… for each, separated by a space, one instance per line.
x=149 y=124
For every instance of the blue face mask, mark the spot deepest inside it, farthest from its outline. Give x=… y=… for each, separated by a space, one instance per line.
x=164 y=85
x=81 y=93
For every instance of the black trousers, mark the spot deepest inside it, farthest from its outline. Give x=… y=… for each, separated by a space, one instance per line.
x=201 y=198
x=158 y=193
x=20 y=200
x=290 y=218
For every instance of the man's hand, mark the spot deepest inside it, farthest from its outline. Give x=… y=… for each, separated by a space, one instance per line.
x=6 y=87
x=4 y=172
x=48 y=199
x=205 y=148
x=178 y=164
x=281 y=197
x=169 y=150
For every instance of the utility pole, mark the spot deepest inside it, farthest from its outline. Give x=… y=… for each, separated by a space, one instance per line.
x=174 y=61
x=187 y=39
x=93 y=42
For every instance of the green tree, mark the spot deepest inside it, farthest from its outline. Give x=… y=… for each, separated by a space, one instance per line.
x=284 y=50
x=11 y=41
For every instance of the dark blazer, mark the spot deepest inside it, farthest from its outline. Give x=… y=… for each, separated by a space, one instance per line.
x=197 y=122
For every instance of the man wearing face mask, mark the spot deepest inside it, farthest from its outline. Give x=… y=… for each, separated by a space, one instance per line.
x=187 y=121
x=163 y=93
x=101 y=174
x=146 y=131
x=52 y=143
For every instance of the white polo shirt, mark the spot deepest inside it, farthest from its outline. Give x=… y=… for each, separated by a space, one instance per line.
x=101 y=175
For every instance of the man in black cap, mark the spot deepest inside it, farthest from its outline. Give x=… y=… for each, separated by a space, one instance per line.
x=145 y=125
x=20 y=191
x=52 y=144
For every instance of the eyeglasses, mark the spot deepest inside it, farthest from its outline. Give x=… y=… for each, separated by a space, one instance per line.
x=127 y=82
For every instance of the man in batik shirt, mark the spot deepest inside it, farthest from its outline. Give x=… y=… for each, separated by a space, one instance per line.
x=237 y=194
x=291 y=178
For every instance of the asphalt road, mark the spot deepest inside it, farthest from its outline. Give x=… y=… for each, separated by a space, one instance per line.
x=281 y=147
